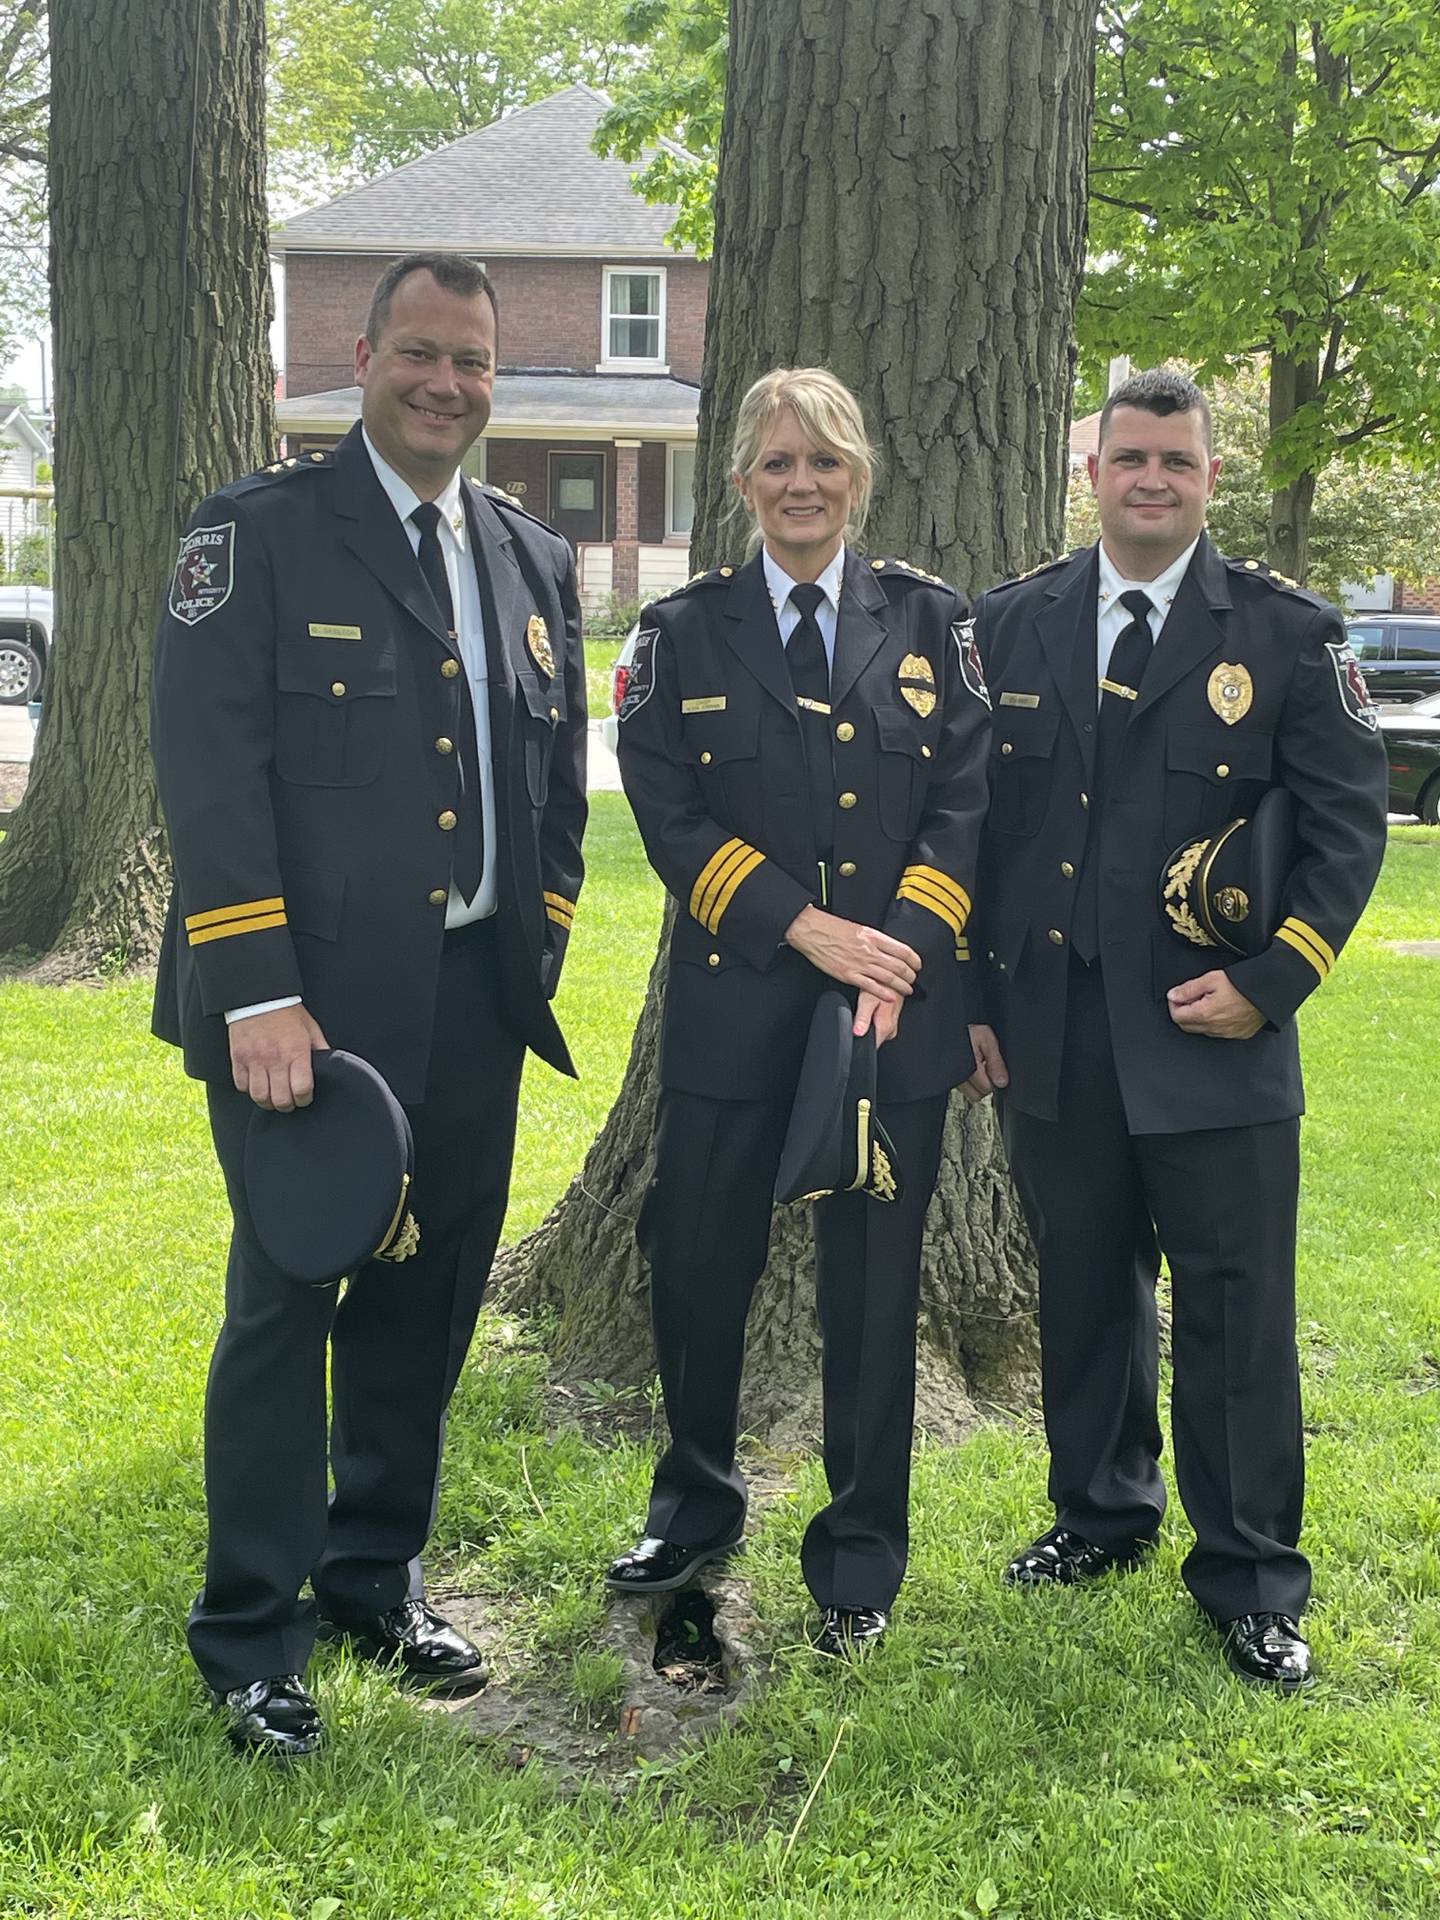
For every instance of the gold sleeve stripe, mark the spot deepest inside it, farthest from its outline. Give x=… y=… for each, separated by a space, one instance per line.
x=943 y=884
x=1303 y=948
x=245 y=912
x=559 y=900
x=962 y=949
x=938 y=903
x=561 y=919
x=231 y=927
x=1322 y=947
x=727 y=893
x=712 y=876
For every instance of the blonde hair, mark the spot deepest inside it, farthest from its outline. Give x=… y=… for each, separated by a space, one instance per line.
x=828 y=413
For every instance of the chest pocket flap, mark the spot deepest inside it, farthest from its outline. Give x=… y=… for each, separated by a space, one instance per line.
x=331 y=712
x=1022 y=749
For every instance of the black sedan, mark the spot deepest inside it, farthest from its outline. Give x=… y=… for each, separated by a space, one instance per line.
x=1412 y=746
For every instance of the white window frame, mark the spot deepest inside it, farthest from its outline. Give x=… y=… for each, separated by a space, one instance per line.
x=672 y=532
x=608 y=365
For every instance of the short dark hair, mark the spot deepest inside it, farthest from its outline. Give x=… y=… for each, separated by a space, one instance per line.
x=1161 y=392
x=453 y=271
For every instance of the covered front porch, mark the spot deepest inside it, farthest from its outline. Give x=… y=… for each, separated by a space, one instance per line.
x=607 y=461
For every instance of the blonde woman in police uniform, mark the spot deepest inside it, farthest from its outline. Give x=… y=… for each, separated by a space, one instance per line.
x=803 y=742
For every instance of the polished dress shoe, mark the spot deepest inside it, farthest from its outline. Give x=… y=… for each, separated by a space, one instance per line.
x=275 y=1718
x=848 y=1632
x=660 y=1566
x=1268 y=1650
x=1061 y=1558
x=414 y=1637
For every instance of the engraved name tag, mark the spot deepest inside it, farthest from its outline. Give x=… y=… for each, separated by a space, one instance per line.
x=712 y=703
x=1019 y=699
x=320 y=632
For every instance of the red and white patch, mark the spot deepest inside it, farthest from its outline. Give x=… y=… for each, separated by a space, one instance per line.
x=1354 y=694
x=971 y=670
x=204 y=573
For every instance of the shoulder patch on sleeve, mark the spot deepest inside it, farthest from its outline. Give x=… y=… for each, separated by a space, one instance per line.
x=204 y=573
x=641 y=683
x=1354 y=694
x=971 y=670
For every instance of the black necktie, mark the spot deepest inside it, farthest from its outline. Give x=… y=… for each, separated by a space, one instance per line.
x=810 y=680
x=469 y=857
x=1119 y=690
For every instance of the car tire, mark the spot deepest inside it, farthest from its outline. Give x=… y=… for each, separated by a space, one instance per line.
x=21 y=673
x=1430 y=804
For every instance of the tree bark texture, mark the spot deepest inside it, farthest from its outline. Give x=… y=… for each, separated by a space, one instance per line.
x=161 y=299
x=1294 y=382
x=901 y=197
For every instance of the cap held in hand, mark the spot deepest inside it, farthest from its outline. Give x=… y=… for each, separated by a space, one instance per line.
x=328 y=1185
x=1226 y=889
x=835 y=1142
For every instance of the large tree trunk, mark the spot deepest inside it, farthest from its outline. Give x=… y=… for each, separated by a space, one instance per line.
x=163 y=389
x=1294 y=381
x=901 y=197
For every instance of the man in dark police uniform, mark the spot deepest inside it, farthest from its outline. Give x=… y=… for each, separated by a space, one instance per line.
x=1152 y=1096
x=368 y=728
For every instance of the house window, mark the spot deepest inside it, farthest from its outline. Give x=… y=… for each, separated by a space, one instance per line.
x=634 y=317
x=680 y=493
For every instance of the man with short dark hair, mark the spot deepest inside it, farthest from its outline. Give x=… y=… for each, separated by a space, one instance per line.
x=1149 y=695
x=368 y=726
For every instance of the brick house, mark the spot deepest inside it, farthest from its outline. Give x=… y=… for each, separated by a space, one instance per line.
x=602 y=328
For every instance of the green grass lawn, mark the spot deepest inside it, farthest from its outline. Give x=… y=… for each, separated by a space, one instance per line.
x=1077 y=1756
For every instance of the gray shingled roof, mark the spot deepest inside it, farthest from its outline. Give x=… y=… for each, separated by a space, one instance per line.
x=529 y=183
x=531 y=405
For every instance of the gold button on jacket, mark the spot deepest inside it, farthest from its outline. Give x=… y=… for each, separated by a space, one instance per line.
x=446 y=821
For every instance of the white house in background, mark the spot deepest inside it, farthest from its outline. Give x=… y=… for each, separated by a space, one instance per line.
x=23 y=447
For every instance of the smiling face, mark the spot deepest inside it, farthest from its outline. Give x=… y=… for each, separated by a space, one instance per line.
x=801 y=494
x=427 y=381
x=1153 y=478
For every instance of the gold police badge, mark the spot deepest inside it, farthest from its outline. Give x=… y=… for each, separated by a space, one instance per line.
x=537 y=639
x=1230 y=692
x=917 y=683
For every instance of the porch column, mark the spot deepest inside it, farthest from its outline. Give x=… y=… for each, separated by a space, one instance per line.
x=625 y=563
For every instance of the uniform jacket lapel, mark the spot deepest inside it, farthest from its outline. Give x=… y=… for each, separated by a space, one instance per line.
x=503 y=595
x=1192 y=630
x=752 y=634
x=858 y=631
x=1062 y=625
x=372 y=531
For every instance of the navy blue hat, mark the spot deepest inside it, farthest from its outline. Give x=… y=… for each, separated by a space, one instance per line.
x=1226 y=889
x=328 y=1185
x=835 y=1142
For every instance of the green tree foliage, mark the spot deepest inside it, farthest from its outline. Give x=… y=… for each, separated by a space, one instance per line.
x=24 y=113
x=667 y=114
x=1263 y=182
x=1372 y=515
x=357 y=88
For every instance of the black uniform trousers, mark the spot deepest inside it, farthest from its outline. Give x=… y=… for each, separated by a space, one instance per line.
x=1102 y=1204
x=397 y=1337
x=705 y=1228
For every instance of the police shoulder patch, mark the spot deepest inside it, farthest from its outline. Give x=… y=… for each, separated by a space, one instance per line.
x=640 y=681
x=1354 y=694
x=204 y=573
x=971 y=670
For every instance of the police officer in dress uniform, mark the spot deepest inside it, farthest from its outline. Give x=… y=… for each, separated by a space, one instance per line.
x=802 y=740
x=1148 y=691
x=368 y=727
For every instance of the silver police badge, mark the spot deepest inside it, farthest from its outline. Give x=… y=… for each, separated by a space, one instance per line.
x=204 y=573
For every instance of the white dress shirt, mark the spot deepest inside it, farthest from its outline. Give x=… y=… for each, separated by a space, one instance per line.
x=1111 y=619
x=470 y=630
x=787 y=614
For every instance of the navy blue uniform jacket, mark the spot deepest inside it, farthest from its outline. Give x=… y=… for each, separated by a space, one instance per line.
x=306 y=703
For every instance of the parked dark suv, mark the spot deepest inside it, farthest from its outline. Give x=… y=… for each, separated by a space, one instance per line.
x=1399 y=653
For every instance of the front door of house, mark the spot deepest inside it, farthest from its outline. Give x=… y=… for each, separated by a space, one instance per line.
x=577 y=496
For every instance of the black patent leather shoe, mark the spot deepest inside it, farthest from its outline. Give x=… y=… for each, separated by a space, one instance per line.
x=413 y=1637
x=660 y=1566
x=275 y=1719
x=1061 y=1558
x=1268 y=1650
x=846 y=1633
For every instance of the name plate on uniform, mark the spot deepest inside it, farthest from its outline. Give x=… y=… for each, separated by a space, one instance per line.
x=318 y=631
x=712 y=703
x=1019 y=699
